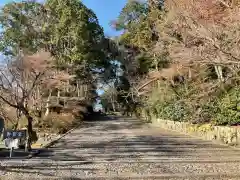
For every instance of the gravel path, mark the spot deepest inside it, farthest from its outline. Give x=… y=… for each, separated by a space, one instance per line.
x=123 y=148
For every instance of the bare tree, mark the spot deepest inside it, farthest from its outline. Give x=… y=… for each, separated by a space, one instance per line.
x=209 y=33
x=21 y=77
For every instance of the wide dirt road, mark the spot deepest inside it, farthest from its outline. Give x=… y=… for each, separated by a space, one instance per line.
x=123 y=148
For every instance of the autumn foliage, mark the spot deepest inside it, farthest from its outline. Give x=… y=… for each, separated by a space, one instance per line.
x=52 y=52
x=191 y=59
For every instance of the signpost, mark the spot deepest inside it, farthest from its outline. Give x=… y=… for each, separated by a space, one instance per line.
x=15 y=139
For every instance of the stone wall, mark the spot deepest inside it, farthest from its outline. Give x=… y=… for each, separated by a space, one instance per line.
x=221 y=134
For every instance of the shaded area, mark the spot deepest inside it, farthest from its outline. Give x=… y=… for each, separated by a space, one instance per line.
x=17 y=154
x=98 y=147
x=137 y=147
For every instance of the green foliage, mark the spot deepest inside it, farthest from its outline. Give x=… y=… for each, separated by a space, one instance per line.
x=133 y=19
x=176 y=111
x=173 y=110
x=144 y=62
x=221 y=110
x=227 y=110
x=66 y=28
x=164 y=104
x=22 y=27
x=131 y=15
x=74 y=32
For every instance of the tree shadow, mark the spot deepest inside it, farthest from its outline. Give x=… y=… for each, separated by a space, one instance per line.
x=100 y=117
x=121 y=145
x=113 y=123
x=17 y=154
x=106 y=142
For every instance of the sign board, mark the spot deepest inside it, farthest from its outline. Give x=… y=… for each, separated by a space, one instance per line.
x=11 y=143
x=14 y=138
x=19 y=134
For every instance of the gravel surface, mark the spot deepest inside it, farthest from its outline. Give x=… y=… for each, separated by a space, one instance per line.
x=123 y=148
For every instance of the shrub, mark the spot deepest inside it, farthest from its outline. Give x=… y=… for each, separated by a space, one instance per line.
x=202 y=114
x=227 y=109
x=175 y=110
x=59 y=123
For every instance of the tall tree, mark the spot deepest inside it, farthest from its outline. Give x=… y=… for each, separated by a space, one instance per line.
x=74 y=32
x=65 y=28
x=23 y=26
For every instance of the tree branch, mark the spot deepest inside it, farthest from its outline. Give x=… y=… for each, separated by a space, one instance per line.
x=10 y=104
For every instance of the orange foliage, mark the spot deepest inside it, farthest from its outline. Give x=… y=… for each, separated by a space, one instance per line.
x=203 y=10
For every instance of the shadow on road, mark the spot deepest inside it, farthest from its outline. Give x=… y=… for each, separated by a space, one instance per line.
x=110 y=139
x=17 y=154
x=112 y=123
x=100 y=117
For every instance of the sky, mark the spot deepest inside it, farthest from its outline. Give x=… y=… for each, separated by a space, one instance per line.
x=106 y=11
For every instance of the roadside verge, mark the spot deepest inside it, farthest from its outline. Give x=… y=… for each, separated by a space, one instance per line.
x=229 y=136
x=49 y=144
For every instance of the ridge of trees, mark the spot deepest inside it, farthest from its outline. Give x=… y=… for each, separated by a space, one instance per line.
x=180 y=59
x=176 y=60
x=56 y=48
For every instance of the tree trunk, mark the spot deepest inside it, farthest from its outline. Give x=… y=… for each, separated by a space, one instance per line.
x=78 y=90
x=113 y=105
x=58 y=96
x=29 y=127
x=68 y=83
x=189 y=73
x=47 y=105
x=18 y=112
x=218 y=70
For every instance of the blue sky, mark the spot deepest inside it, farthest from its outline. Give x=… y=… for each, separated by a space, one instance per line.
x=106 y=11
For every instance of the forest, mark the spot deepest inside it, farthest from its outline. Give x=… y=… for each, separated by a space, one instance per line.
x=179 y=61
x=53 y=55
x=175 y=59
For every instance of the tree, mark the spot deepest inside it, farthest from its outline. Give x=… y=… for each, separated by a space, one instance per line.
x=109 y=99
x=67 y=29
x=23 y=25
x=20 y=77
x=137 y=20
x=75 y=35
x=209 y=33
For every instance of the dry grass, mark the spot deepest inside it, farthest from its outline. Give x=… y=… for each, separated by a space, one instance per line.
x=58 y=123
x=54 y=123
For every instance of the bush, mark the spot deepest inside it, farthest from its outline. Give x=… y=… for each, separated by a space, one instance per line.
x=175 y=110
x=202 y=114
x=164 y=104
x=227 y=109
x=59 y=123
x=223 y=109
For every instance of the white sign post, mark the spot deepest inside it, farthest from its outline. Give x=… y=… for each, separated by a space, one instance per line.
x=11 y=144
x=14 y=139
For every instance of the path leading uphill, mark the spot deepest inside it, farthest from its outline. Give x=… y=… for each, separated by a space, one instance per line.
x=123 y=148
